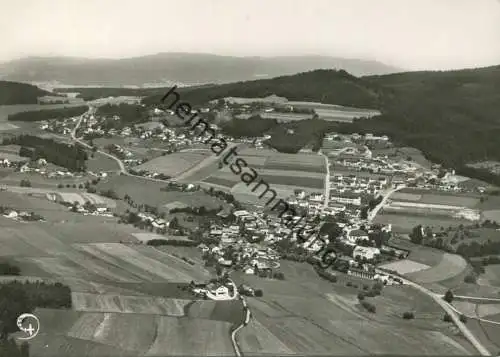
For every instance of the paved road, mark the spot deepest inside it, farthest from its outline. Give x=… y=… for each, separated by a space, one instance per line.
x=386 y=195
x=452 y=312
x=475 y=298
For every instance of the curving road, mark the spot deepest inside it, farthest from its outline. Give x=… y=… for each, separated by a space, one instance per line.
x=123 y=169
x=451 y=311
x=386 y=195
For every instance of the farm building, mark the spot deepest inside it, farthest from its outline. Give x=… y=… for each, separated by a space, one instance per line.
x=368 y=253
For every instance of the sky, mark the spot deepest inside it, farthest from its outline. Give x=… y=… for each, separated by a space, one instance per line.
x=409 y=34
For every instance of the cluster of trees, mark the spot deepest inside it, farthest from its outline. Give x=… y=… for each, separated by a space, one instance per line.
x=475 y=249
x=326 y=274
x=129 y=114
x=8 y=269
x=25 y=183
x=326 y=86
x=17 y=298
x=20 y=93
x=72 y=157
x=110 y=194
x=172 y=242
x=47 y=114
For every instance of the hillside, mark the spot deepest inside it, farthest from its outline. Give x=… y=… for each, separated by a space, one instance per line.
x=326 y=86
x=452 y=116
x=19 y=93
x=185 y=68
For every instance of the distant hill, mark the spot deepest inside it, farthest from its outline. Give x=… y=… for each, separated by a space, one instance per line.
x=326 y=86
x=19 y=93
x=187 y=68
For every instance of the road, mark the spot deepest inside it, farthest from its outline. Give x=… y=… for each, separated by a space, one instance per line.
x=451 y=311
x=386 y=195
x=245 y=322
x=327 y=182
x=123 y=169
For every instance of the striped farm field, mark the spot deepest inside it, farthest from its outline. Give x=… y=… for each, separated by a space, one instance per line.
x=87 y=302
x=82 y=197
x=221 y=181
x=282 y=161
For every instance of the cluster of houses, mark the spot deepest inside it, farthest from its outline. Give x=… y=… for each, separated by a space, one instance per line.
x=19 y=215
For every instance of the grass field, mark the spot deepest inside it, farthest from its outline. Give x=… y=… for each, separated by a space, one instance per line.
x=174 y=164
x=305 y=315
x=404 y=223
x=282 y=161
x=430 y=197
x=148 y=192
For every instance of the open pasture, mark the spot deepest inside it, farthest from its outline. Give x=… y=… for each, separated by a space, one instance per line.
x=148 y=192
x=333 y=320
x=221 y=181
x=436 y=197
x=405 y=266
x=174 y=164
x=450 y=266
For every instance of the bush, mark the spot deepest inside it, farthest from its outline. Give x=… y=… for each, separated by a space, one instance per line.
x=258 y=293
x=369 y=306
x=25 y=183
x=408 y=315
x=448 y=297
x=447 y=318
x=470 y=279
x=463 y=318
x=361 y=296
x=348 y=283
x=365 y=287
x=7 y=269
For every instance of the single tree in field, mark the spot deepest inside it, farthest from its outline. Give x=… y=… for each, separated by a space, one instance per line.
x=448 y=297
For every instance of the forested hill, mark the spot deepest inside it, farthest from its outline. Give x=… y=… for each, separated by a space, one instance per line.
x=326 y=86
x=20 y=93
x=453 y=116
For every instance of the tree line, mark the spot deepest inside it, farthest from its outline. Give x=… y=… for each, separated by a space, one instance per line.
x=48 y=114
x=71 y=157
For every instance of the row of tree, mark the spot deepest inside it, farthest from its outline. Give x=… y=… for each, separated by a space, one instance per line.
x=72 y=157
x=48 y=114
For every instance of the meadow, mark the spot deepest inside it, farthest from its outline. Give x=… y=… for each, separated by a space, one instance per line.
x=149 y=192
x=174 y=164
x=405 y=222
x=306 y=315
x=437 y=197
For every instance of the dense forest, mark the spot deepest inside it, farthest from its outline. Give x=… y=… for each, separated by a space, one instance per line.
x=20 y=93
x=47 y=114
x=326 y=86
x=71 y=157
x=129 y=114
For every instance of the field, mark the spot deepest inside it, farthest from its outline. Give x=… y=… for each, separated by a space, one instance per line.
x=450 y=199
x=305 y=315
x=313 y=180
x=148 y=192
x=126 y=296
x=405 y=222
x=100 y=334
x=174 y=164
